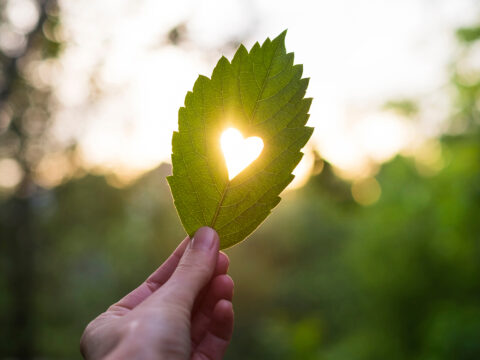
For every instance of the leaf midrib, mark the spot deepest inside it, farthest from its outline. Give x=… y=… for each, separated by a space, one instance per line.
x=217 y=210
x=260 y=94
x=262 y=90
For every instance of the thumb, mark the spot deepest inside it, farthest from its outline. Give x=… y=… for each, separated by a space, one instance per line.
x=195 y=268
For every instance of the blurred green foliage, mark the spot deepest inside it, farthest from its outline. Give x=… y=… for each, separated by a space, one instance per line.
x=469 y=34
x=404 y=107
x=323 y=278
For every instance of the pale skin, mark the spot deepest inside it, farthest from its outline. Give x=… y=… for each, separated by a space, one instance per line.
x=182 y=311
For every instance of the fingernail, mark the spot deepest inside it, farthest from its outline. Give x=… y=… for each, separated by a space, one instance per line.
x=205 y=238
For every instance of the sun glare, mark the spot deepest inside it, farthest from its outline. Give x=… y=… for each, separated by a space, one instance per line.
x=239 y=152
x=143 y=76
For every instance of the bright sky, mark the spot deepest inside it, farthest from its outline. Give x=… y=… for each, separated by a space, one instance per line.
x=358 y=54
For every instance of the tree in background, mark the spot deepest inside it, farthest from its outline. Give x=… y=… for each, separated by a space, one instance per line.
x=28 y=33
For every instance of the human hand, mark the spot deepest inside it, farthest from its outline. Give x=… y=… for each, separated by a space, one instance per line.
x=182 y=311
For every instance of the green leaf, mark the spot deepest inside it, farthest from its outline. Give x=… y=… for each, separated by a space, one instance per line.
x=260 y=93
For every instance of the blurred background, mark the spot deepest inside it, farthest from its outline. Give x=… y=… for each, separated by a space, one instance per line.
x=373 y=252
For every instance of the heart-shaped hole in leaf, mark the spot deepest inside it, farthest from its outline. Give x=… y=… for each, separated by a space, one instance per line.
x=238 y=151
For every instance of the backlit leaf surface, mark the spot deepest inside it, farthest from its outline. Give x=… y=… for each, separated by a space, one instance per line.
x=261 y=93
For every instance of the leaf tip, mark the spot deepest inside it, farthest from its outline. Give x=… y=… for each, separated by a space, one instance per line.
x=223 y=59
x=242 y=49
x=282 y=35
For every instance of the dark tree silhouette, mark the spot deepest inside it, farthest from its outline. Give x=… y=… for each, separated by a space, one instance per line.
x=26 y=106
